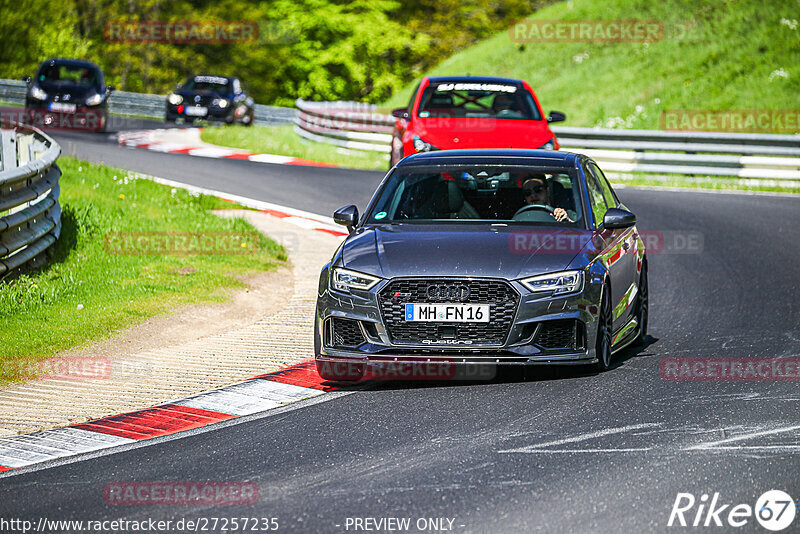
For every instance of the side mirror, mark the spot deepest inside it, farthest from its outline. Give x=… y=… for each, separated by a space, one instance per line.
x=618 y=218
x=400 y=113
x=26 y=79
x=346 y=216
x=556 y=116
x=110 y=88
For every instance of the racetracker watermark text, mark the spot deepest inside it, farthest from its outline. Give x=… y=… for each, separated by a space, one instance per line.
x=181 y=243
x=730 y=369
x=785 y=121
x=180 y=493
x=587 y=31
x=181 y=32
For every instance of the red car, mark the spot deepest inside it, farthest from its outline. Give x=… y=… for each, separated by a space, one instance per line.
x=447 y=113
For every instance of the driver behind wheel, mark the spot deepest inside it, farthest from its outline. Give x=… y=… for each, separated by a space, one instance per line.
x=536 y=191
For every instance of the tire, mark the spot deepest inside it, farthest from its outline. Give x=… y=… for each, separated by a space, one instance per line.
x=248 y=119
x=642 y=306
x=605 y=330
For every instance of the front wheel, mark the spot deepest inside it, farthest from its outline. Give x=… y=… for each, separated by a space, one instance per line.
x=605 y=326
x=248 y=118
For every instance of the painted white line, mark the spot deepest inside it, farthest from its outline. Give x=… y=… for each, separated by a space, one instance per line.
x=249 y=397
x=327 y=222
x=580 y=451
x=772 y=448
x=210 y=152
x=584 y=437
x=227 y=402
x=270 y=158
x=713 y=444
x=165 y=147
x=277 y=391
x=16 y=451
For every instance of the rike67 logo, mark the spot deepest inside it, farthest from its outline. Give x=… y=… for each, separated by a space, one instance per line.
x=774 y=510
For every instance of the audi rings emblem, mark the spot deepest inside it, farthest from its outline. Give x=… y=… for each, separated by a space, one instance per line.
x=448 y=292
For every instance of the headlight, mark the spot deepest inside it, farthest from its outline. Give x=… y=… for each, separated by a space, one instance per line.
x=94 y=100
x=345 y=280
x=221 y=103
x=422 y=146
x=175 y=99
x=38 y=93
x=548 y=145
x=559 y=283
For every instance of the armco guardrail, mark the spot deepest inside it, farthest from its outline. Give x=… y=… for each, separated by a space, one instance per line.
x=147 y=105
x=761 y=156
x=30 y=216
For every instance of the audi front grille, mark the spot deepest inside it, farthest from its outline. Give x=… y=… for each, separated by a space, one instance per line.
x=501 y=297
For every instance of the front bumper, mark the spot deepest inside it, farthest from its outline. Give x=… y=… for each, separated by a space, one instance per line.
x=524 y=343
x=213 y=113
x=84 y=118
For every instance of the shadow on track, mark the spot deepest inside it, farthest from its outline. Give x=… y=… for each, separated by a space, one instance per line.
x=506 y=374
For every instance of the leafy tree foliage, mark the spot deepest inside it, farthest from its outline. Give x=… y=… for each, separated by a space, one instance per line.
x=314 y=49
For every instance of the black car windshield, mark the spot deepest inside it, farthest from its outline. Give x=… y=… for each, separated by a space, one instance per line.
x=478 y=100
x=60 y=74
x=492 y=194
x=212 y=84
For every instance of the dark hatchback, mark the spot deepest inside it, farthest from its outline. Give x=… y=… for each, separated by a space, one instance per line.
x=481 y=257
x=68 y=93
x=209 y=97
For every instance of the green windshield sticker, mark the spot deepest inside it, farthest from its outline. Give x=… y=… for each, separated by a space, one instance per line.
x=380 y=215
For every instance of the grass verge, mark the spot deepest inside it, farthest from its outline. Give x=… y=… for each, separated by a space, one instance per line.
x=283 y=141
x=87 y=293
x=717 y=183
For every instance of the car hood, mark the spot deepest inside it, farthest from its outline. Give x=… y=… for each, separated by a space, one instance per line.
x=462 y=249
x=451 y=133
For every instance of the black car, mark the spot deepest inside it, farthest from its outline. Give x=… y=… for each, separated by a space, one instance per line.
x=208 y=97
x=68 y=93
x=480 y=257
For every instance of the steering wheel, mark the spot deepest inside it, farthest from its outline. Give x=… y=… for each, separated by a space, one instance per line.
x=531 y=207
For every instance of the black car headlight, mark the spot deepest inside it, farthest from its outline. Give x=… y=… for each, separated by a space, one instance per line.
x=422 y=146
x=559 y=283
x=94 y=100
x=38 y=93
x=550 y=145
x=221 y=103
x=345 y=280
x=174 y=99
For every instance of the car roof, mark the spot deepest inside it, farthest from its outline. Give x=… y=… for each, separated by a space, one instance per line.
x=474 y=79
x=494 y=156
x=229 y=78
x=70 y=62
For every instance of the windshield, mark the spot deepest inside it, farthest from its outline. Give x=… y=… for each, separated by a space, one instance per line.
x=59 y=74
x=478 y=100
x=212 y=84
x=509 y=194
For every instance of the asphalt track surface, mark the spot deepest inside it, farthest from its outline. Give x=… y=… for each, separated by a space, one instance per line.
x=557 y=451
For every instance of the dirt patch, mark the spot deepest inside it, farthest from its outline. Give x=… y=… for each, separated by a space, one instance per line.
x=265 y=295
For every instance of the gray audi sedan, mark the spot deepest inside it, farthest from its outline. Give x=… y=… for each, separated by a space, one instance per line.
x=474 y=258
